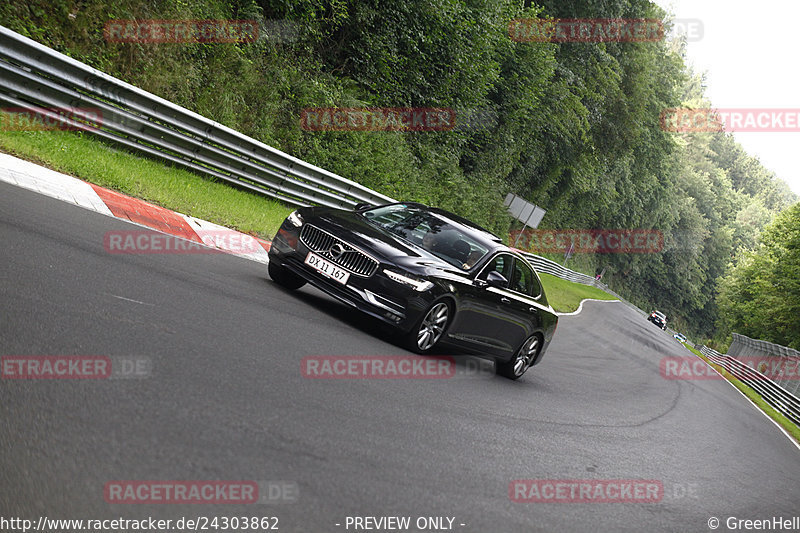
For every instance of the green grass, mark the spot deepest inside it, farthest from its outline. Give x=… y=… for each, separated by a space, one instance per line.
x=785 y=423
x=94 y=161
x=565 y=296
x=89 y=159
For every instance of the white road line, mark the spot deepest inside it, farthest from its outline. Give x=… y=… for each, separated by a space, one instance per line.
x=580 y=307
x=130 y=300
x=757 y=408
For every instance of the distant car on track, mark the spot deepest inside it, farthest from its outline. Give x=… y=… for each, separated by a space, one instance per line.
x=680 y=337
x=434 y=276
x=659 y=319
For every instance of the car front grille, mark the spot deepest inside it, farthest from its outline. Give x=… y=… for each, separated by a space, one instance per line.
x=351 y=259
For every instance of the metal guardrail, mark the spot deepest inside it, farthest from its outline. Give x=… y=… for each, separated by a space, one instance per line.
x=778 y=393
x=775 y=392
x=34 y=77
x=744 y=347
x=551 y=267
x=547 y=266
x=778 y=397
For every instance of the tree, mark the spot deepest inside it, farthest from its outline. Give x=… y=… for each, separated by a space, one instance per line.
x=760 y=296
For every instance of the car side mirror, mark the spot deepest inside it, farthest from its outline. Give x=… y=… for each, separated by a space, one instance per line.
x=497 y=280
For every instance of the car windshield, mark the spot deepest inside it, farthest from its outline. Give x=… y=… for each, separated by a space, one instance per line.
x=434 y=233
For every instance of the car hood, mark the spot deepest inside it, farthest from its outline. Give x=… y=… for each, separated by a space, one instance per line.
x=376 y=241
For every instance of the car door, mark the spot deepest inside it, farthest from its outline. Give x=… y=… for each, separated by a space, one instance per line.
x=519 y=305
x=483 y=316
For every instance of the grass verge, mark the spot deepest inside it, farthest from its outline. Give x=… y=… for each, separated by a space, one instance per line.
x=89 y=159
x=565 y=296
x=784 y=422
x=85 y=157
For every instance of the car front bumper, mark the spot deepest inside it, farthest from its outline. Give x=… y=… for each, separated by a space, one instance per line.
x=377 y=295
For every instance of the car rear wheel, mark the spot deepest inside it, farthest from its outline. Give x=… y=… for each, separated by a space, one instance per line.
x=430 y=329
x=522 y=360
x=284 y=277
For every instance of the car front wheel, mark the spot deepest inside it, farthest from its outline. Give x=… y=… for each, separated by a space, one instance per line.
x=283 y=277
x=430 y=328
x=522 y=360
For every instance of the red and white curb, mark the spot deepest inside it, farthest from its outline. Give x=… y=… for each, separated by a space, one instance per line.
x=57 y=185
x=101 y=200
x=45 y=181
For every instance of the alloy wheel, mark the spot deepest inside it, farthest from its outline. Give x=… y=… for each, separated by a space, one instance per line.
x=432 y=326
x=525 y=355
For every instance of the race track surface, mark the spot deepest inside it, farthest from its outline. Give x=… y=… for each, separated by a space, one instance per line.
x=224 y=399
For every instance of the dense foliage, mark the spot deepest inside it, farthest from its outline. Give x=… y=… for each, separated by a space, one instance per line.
x=573 y=127
x=760 y=296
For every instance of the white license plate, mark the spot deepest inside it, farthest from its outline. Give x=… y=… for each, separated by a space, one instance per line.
x=326 y=268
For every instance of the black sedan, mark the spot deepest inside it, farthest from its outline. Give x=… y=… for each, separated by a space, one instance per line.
x=436 y=277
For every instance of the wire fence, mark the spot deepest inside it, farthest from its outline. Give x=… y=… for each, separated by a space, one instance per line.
x=774 y=394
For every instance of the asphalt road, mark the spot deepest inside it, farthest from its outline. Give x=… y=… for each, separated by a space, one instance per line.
x=224 y=399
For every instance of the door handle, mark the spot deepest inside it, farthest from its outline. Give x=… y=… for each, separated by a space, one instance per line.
x=532 y=309
x=505 y=300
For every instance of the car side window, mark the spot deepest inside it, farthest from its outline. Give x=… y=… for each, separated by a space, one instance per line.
x=524 y=281
x=501 y=263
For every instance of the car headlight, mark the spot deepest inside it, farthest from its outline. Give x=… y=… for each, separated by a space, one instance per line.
x=418 y=285
x=295 y=219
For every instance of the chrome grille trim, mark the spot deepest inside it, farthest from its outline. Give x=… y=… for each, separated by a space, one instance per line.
x=353 y=260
